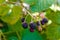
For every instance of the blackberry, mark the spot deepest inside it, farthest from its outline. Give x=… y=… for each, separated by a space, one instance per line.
x=32 y=25
x=23 y=19
x=38 y=23
x=24 y=25
x=44 y=21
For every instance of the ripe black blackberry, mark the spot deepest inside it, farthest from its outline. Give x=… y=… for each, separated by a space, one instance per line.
x=22 y=19
x=24 y=25
x=44 y=21
x=32 y=25
x=38 y=23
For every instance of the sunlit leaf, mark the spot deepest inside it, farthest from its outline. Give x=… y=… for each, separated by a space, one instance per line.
x=54 y=16
x=4 y=10
x=14 y=16
x=1 y=1
x=53 y=29
x=12 y=0
x=53 y=32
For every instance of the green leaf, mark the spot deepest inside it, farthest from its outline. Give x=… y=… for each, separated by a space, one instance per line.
x=13 y=0
x=39 y=5
x=53 y=29
x=14 y=16
x=54 y=16
x=4 y=10
x=1 y=1
x=53 y=32
x=31 y=2
x=27 y=35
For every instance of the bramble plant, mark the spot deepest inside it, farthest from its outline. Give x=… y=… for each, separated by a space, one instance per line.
x=18 y=14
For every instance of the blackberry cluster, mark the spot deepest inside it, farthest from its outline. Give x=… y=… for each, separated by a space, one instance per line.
x=33 y=25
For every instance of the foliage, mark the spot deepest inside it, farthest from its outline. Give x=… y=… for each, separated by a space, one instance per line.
x=13 y=18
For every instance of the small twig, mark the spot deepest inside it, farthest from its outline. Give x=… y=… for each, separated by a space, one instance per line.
x=1 y=34
x=26 y=17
